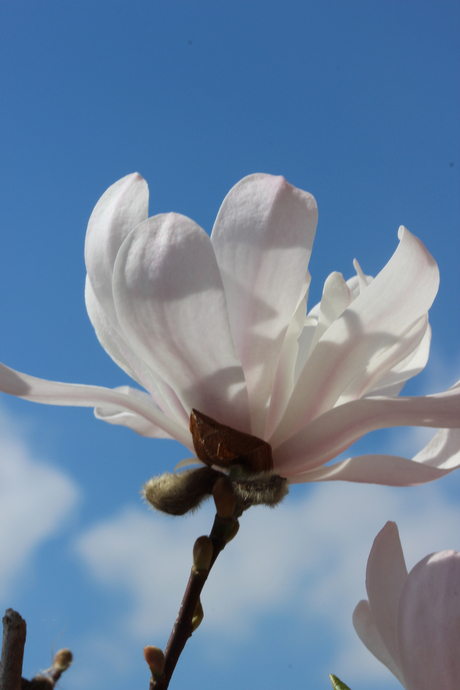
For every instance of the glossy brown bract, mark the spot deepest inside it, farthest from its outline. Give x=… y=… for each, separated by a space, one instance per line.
x=218 y=444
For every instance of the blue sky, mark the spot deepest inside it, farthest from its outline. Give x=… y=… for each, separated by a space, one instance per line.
x=356 y=102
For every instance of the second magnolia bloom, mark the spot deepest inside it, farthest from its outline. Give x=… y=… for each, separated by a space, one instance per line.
x=220 y=324
x=411 y=622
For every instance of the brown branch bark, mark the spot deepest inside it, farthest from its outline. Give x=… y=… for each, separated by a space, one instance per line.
x=14 y=639
x=183 y=629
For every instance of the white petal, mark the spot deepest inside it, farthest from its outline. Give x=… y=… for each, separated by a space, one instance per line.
x=336 y=298
x=114 y=414
x=333 y=432
x=386 y=575
x=387 y=470
x=367 y=632
x=384 y=363
x=115 y=344
x=263 y=237
x=74 y=394
x=429 y=623
x=383 y=313
x=171 y=306
x=393 y=381
x=118 y=211
x=284 y=382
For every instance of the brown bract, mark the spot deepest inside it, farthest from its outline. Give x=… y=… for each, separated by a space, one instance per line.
x=218 y=444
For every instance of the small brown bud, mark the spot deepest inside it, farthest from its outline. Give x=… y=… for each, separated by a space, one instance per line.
x=62 y=660
x=232 y=531
x=155 y=660
x=202 y=553
x=224 y=497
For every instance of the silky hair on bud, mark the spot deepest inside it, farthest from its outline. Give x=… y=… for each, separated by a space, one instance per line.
x=260 y=489
x=178 y=494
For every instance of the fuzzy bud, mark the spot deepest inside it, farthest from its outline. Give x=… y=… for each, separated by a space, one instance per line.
x=224 y=497
x=202 y=553
x=62 y=660
x=177 y=494
x=155 y=660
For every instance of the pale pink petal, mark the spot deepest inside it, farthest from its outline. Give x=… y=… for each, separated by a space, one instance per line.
x=333 y=432
x=118 y=211
x=393 y=381
x=386 y=575
x=384 y=364
x=170 y=303
x=388 y=470
x=77 y=395
x=383 y=313
x=115 y=344
x=336 y=298
x=263 y=237
x=114 y=414
x=284 y=382
x=429 y=624
x=369 y=635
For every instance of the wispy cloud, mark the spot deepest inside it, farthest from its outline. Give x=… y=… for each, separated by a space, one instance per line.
x=35 y=499
x=306 y=559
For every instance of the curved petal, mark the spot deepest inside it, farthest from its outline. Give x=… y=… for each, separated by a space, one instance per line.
x=116 y=345
x=284 y=380
x=385 y=363
x=429 y=623
x=114 y=414
x=333 y=432
x=170 y=303
x=262 y=238
x=123 y=206
x=369 y=635
x=383 y=313
x=336 y=298
x=393 y=381
x=386 y=575
x=387 y=470
x=74 y=394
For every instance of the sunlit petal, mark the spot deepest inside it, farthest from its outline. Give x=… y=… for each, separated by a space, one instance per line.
x=78 y=395
x=263 y=237
x=171 y=306
x=375 y=321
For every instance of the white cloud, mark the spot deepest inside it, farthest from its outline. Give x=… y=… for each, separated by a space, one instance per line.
x=306 y=558
x=34 y=500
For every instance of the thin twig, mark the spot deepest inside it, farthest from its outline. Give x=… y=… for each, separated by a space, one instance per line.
x=183 y=628
x=14 y=639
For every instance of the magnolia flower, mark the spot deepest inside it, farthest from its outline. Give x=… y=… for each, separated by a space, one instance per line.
x=411 y=623
x=219 y=324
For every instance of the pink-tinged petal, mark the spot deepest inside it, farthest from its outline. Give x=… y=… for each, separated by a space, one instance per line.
x=284 y=382
x=336 y=298
x=429 y=624
x=123 y=206
x=263 y=237
x=170 y=303
x=393 y=381
x=77 y=395
x=386 y=575
x=383 y=313
x=387 y=470
x=115 y=344
x=114 y=414
x=384 y=363
x=335 y=431
x=369 y=635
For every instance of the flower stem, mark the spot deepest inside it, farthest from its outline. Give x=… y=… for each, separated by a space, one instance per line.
x=183 y=627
